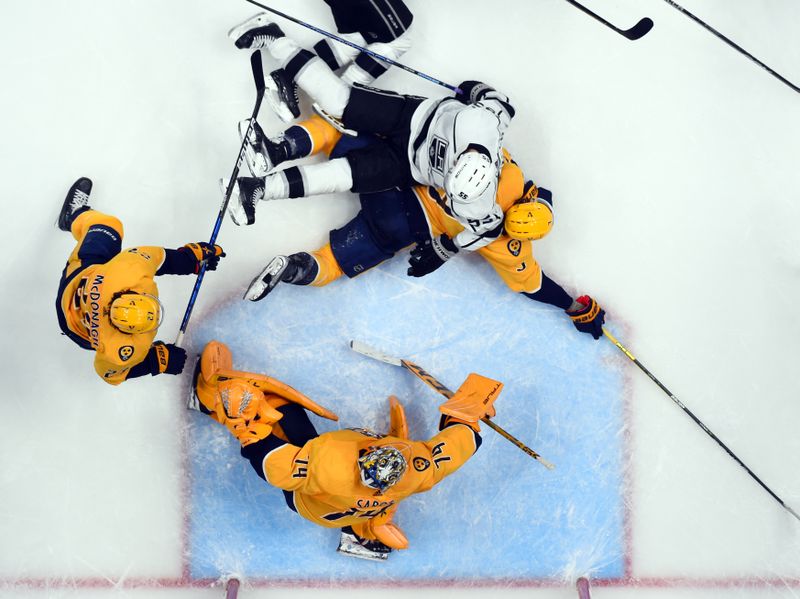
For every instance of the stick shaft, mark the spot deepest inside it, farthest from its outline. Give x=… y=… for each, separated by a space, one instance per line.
x=689 y=413
x=434 y=383
x=732 y=44
x=258 y=76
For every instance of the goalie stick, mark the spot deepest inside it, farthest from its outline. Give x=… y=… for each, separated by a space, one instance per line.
x=258 y=77
x=697 y=421
x=431 y=381
x=634 y=33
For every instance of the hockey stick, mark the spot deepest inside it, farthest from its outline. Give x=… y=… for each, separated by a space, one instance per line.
x=258 y=77
x=431 y=381
x=732 y=44
x=341 y=40
x=633 y=359
x=634 y=33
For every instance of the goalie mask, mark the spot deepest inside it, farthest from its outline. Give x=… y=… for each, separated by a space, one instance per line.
x=134 y=313
x=382 y=467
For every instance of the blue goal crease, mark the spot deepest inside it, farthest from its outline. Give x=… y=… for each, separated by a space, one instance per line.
x=510 y=518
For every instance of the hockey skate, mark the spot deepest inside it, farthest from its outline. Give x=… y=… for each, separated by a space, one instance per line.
x=333 y=121
x=262 y=153
x=247 y=191
x=352 y=545
x=256 y=32
x=77 y=201
x=281 y=94
x=267 y=279
x=297 y=269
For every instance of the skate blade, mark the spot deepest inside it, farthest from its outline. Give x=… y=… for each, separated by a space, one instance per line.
x=235 y=209
x=257 y=163
x=267 y=279
x=359 y=551
x=273 y=97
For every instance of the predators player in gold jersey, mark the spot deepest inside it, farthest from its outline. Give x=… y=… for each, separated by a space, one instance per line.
x=425 y=216
x=107 y=299
x=352 y=479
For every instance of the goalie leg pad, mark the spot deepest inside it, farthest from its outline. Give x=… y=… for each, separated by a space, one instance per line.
x=398 y=425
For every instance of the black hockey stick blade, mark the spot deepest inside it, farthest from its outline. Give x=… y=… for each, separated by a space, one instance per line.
x=258 y=70
x=634 y=33
x=639 y=30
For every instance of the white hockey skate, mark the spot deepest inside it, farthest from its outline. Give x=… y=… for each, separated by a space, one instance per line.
x=257 y=160
x=354 y=546
x=256 y=32
x=267 y=279
x=280 y=92
x=262 y=153
x=246 y=193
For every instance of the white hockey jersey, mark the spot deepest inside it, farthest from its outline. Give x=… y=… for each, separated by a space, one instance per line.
x=441 y=130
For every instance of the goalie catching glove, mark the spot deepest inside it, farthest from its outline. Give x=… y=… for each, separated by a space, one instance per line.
x=587 y=316
x=244 y=410
x=430 y=255
x=473 y=401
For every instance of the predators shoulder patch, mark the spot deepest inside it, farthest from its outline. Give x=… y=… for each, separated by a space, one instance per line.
x=514 y=246
x=420 y=464
x=125 y=352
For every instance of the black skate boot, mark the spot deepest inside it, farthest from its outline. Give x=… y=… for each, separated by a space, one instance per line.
x=246 y=194
x=262 y=153
x=256 y=32
x=352 y=545
x=281 y=93
x=76 y=202
x=297 y=269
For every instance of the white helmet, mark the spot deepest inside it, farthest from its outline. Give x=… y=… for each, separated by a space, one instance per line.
x=470 y=176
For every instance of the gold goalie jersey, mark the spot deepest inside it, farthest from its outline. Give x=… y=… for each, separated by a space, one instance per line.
x=325 y=478
x=85 y=301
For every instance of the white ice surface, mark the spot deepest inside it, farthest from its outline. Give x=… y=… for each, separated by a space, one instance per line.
x=674 y=162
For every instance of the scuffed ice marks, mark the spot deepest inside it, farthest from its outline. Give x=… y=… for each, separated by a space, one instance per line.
x=509 y=517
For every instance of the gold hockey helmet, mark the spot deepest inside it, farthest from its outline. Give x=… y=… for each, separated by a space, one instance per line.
x=529 y=220
x=240 y=399
x=135 y=313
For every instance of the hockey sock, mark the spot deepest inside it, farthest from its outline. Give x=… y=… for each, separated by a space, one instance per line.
x=337 y=55
x=321 y=134
x=366 y=68
x=314 y=179
x=329 y=269
x=316 y=78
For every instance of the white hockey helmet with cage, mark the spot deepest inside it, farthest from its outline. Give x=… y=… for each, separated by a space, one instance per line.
x=466 y=183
